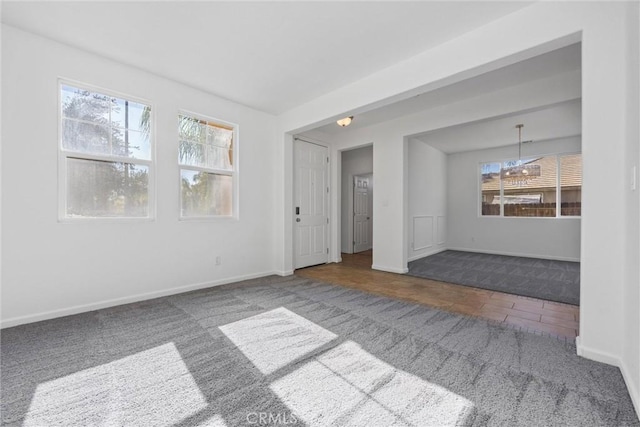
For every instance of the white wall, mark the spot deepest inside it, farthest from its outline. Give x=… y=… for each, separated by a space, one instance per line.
x=52 y=268
x=631 y=321
x=551 y=238
x=427 y=221
x=354 y=162
x=604 y=30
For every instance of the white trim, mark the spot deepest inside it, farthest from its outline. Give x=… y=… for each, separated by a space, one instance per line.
x=283 y=273
x=603 y=357
x=633 y=391
x=207 y=170
x=487 y=251
x=597 y=355
x=426 y=254
x=83 y=308
x=390 y=269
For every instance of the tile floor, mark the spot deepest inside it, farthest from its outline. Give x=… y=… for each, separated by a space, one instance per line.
x=529 y=314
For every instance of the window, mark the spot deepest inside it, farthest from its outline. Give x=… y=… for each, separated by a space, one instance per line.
x=571 y=185
x=105 y=155
x=536 y=196
x=490 y=188
x=207 y=167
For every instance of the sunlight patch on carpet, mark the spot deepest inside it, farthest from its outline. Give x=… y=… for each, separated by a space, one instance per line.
x=274 y=339
x=152 y=387
x=349 y=386
x=344 y=385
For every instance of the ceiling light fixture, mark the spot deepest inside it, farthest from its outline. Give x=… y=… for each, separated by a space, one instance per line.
x=345 y=122
x=519 y=174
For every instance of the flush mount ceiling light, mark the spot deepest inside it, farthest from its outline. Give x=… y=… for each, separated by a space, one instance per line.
x=519 y=174
x=345 y=122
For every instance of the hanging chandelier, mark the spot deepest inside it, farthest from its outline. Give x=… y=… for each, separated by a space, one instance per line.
x=519 y=174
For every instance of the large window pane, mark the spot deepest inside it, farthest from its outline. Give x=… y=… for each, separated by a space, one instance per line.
x=85 y=105
x=206 y=194
x=205 y=144
x=86 y=137
x=490 y=188
x=534 y=196
x=132 y=144
x=129 y=114
x=571 y=185
x=106 y=189
x=95 y=123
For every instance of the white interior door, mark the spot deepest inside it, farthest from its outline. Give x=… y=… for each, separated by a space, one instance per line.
x=362 y=223
x=311 y=204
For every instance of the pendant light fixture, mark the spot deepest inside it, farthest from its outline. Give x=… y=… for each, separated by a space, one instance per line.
x=519 y=174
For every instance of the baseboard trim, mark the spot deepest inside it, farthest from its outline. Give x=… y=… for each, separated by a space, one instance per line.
x=631 y=387
x=390 y=269
x=597 y=355
x=485 y=251
x=610 y=359
x=83 y=308
x=424 y=255
x=283 y=273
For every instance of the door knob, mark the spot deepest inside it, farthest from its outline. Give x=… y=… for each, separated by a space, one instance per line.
x=297 y=219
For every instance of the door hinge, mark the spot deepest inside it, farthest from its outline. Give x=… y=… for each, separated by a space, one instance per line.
x=327 y=250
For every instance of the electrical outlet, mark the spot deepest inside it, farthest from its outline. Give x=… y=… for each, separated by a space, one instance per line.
x=218 y=260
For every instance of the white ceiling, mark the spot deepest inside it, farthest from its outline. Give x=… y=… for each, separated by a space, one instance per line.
x=272 y=56
x=559 y=61
x=556 y=121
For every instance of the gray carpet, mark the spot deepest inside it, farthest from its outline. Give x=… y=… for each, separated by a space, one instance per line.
x=530 y=277
x=290 y=351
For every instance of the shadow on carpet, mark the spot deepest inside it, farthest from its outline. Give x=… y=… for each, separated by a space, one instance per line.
x=297 y=352
x=530 y=277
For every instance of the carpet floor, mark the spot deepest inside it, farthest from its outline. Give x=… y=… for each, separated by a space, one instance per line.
x=291 y=351
x=530 y=277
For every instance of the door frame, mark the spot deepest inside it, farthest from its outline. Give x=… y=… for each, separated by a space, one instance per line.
x=294 y=248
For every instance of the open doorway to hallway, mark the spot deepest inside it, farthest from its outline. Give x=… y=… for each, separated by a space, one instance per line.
x=357 y=201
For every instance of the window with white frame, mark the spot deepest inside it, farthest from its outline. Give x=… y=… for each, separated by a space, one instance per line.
x=207 y=167
x=559 y=184
x=105 y=155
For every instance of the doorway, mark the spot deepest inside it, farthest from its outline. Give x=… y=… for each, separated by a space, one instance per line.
x=311 y=203
x=356 y=216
